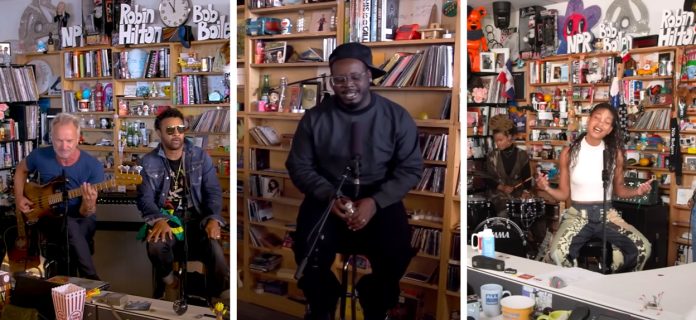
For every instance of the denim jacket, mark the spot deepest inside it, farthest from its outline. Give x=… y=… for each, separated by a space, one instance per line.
x=206 y=193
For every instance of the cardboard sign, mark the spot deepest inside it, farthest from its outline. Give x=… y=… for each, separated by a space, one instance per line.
x=69 y=36
x=134 y=27
x=676 y=28
x=211 y=25
x=614 y=40
x=579 y=43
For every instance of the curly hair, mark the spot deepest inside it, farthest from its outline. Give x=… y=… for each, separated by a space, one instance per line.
x=612 y=141
x=503 y=124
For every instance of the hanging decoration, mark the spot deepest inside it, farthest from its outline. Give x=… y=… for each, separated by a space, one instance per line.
x=577 y=20
x=622 y=15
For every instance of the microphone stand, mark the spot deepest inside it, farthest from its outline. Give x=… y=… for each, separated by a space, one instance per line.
x=605 y=183
x=66 y=198
x=180 y=306
x=318 y=230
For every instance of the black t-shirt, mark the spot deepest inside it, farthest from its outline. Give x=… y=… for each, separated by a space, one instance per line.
x=177 y=187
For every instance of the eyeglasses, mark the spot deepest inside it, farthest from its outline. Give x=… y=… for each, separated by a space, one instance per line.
x=172 y=129
x=343 y=80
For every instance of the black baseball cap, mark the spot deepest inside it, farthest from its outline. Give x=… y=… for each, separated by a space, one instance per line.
x=358 y=51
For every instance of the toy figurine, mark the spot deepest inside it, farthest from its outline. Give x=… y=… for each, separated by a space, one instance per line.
x=61 y=16
x=476 y=41
x=98 y=97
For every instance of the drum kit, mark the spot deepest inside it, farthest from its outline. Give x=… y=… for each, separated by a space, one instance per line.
x=518 y=233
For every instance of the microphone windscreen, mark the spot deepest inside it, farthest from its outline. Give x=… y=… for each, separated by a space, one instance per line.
x=356 y=144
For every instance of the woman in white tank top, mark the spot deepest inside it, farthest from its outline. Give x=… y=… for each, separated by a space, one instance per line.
x=581 y=182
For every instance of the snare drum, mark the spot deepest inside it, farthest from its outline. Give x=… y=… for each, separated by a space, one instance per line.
x=526 y=211
x=478 y=209
x=509 y=237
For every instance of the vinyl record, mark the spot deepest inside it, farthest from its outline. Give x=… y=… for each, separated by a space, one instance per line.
x=44 y=75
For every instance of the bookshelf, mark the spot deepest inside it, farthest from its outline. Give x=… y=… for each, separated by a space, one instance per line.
x=424 y=104
x=129 y=112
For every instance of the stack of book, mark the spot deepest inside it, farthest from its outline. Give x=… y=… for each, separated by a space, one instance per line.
x=265 y=262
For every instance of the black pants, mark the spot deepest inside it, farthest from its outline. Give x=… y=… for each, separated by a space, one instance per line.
x=200 y=248
x=81 y=240
x=385 y=241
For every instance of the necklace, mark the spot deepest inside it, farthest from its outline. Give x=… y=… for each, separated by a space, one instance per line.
x=175 y=176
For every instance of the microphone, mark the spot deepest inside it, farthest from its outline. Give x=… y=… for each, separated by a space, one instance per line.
x=605 y=169
x=356 y=149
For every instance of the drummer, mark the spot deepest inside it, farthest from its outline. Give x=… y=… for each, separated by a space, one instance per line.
x=508 y=172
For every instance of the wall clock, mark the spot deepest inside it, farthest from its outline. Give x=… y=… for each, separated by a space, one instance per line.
x=174 y=12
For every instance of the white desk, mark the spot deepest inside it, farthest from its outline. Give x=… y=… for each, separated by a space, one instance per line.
x=159 y=310
x=617 y=296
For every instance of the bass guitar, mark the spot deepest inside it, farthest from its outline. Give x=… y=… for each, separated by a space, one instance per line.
x=45 y=196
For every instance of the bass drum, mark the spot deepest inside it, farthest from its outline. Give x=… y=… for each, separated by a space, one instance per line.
x=509 y=237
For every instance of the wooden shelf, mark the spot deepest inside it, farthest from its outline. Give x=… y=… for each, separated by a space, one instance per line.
x=550 y=84
x=280 y=200
x=273 y=148
x=549 y=128
x=144 y=98
x=276 y=224
x=651 y=50
x=432 y=123
x=105 y=79
x=122 y=47
x=203 y=105
x=683 y=224
x=275 y=115
x=545 y=160
x=292 y=8
x=96 y=130
x=409 y=43
x=86 y=147
x=272 y=275
x=419 y=284
x=648 y=78
x=143 y=79
x=271 y=174
x=211 y=73
x=425 y=223
x=137 y=149
x=50 y=96
x=427 y=193
x=435 y=162
x=302 y=35
x=682 y=241
x=94 y=113
x=653 y=130
x=442 y=89
x=137 y=117
x=453 y=294
x=290 y=65
x=648 y=168
x=590 y=84
x=41 y=54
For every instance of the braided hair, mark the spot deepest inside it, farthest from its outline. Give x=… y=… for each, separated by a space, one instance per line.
x=612 y=141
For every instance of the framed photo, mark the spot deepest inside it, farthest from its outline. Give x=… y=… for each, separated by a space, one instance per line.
x=320 y=21
x=502 y=55
x=6 y=51
x=274 y=52
x=295 y=100
x=310 y=94
x=556 y=71
x=487 y=62
x=690 y=163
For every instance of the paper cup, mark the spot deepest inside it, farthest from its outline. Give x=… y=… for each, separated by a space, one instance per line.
x=68 y=302
x=517 y=307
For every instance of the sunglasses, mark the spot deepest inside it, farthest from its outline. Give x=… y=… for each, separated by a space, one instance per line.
x=172 y=129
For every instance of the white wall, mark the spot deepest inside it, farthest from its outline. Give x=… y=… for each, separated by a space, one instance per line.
x=655 y=9
x=11 y=12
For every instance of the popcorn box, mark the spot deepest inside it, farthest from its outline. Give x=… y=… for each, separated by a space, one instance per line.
x=68 y=302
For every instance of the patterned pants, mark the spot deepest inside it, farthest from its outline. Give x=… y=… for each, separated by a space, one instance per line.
x=630 y=248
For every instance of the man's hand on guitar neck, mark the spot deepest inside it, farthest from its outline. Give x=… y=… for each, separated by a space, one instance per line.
x=89 y=200
x=23 y=204
x=160 y=231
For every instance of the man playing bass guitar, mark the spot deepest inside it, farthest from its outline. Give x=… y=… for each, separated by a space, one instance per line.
x=77 y=170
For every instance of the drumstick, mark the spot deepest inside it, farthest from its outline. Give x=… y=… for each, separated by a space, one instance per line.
x=521 y=183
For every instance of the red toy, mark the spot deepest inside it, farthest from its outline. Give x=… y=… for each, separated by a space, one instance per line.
x=476 y=42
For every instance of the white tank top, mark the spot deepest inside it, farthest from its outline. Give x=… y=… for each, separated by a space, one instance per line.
x=586 y=176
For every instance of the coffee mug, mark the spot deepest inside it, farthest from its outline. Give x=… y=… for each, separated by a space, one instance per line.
x=556 y=315
x=517 y=307
x=479 y=246
x=491 y=294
